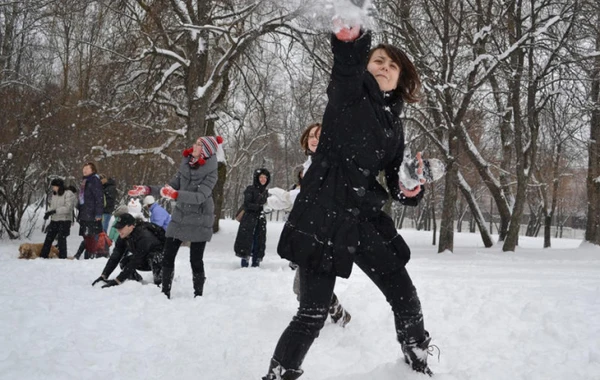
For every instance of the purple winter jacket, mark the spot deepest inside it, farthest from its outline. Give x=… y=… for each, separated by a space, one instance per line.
x=91 y=198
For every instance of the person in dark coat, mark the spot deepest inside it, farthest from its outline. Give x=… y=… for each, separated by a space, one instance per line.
x=137 y=248
x=278 y=199
x=60 y=213
x=91 y=207
x=337 y=219
x=194 y=214
x=252 y=233
x=109 y=188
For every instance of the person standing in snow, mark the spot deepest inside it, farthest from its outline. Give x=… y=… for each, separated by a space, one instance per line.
x=109 y=188
x=60 y=213
x=91 y=208
x=194 y=213
x=337 y=219
x=252 y=234
x=158 y=215
x=309 y=140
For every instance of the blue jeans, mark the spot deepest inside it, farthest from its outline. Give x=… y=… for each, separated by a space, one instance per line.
x=105 y=222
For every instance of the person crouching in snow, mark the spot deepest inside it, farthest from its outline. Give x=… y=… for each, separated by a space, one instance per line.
x=194 y=214
x=252 y=233
x=158 y=215
x=139 y=247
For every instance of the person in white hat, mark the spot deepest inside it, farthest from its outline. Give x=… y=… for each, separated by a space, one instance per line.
x=158 y=215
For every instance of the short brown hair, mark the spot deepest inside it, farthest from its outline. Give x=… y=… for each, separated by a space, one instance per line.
x=92 y=166
x=409 y=84
x=305 y=134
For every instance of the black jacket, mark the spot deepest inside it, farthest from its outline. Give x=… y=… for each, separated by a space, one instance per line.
x=338 y=211
x=110 y=195
x=91 y=199
x=255 y=196
x=141 y=244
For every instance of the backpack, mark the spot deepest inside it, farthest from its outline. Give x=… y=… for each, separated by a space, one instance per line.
x=156 y=231
x=98 y=245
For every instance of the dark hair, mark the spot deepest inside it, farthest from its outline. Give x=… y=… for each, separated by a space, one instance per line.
x=92 y=166
x=409 y=84
x=305 y=134
x=58 y=182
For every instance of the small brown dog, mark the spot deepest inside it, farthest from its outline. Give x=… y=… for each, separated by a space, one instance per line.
x=32 y=251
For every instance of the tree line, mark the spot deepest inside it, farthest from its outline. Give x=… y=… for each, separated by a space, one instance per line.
x=510 y=101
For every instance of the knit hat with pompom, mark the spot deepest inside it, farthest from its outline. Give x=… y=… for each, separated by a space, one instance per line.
x=210 y=145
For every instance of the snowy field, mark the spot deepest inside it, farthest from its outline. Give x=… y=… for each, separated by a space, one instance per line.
x=533 y=314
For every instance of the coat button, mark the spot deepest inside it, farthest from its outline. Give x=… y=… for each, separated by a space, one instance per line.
x=355 y=211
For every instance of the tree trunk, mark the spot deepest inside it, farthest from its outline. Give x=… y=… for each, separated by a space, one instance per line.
x=486 y=237
x=592 y=231
x=450 y=194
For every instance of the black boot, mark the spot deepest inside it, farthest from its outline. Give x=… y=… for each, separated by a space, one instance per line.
x=199 y=280
x=415 y=355
x=167 y=280
x=80 y=250
x=135 y=276
x=277 y=372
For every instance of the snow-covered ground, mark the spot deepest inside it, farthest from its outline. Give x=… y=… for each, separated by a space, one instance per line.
x=533 y=314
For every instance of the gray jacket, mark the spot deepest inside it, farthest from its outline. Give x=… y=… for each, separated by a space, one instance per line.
x=64 y=205
x=194 y=213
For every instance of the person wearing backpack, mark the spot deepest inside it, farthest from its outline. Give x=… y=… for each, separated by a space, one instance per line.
x=139 y=247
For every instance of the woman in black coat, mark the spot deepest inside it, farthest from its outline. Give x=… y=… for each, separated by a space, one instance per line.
x=252 y=233
x=337 y=219
x=91 y=206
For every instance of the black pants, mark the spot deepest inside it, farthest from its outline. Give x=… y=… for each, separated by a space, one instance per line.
x=196 y=254
x=316 y=290
x=153 y=263
x=57 y=230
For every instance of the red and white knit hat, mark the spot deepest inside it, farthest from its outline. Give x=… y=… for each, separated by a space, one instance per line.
x=211 y=145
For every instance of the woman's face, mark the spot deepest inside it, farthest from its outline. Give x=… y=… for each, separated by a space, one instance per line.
x=87 y=170
x=313 y=138
x=55 y=189
x=197 y=148
x=385 y=71
x=262 y=179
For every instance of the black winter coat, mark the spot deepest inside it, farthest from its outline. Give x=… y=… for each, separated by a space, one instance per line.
x=338 y=211
x=141 y=244
x=110 y=195
x=255 y=196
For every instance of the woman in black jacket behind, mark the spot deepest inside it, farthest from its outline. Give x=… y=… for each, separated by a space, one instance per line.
x=252 y=233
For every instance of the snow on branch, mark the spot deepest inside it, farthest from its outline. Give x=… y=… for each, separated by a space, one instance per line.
x=105 y=153
x=166 y=53
x=181 y=10
x=166 y=76
x=165 y=99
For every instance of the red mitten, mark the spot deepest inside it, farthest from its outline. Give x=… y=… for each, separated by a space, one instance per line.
x=169 y=192
x=139 y=190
